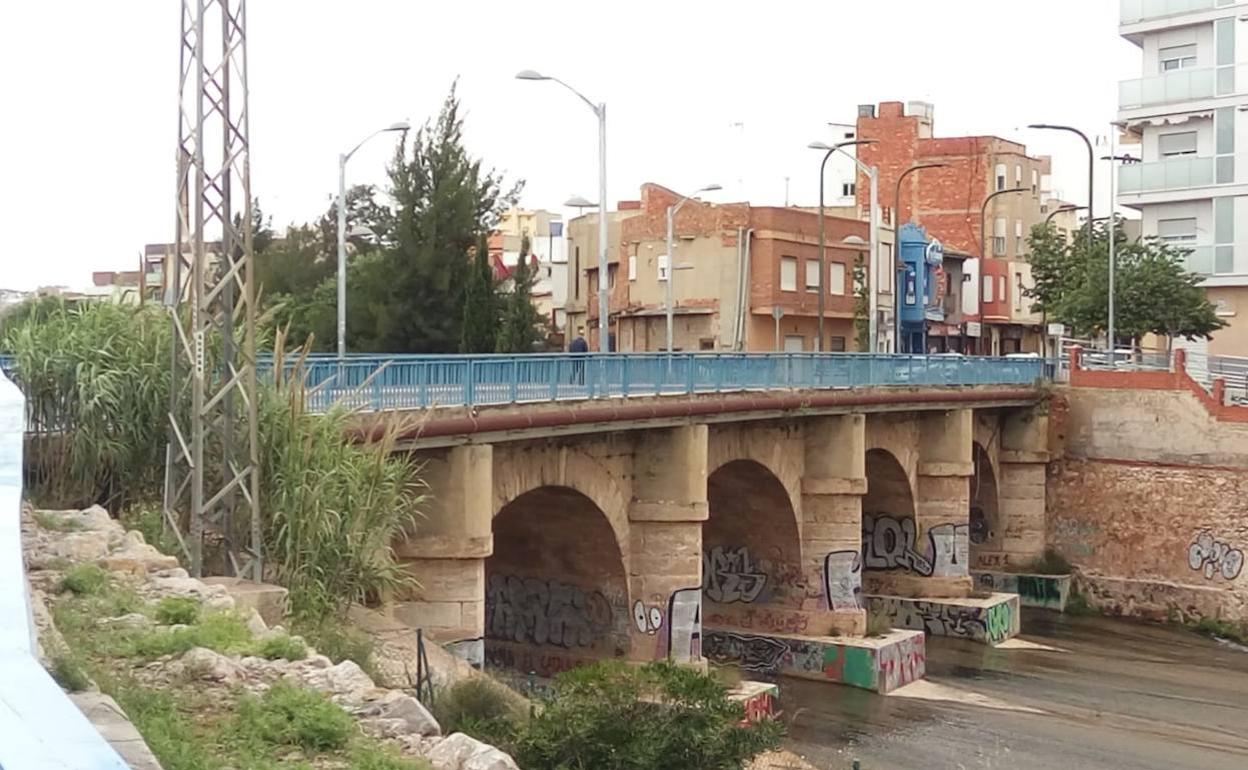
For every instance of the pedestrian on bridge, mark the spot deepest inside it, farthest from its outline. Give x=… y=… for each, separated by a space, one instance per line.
x=579 y=346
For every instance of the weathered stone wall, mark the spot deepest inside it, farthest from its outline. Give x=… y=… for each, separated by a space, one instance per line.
x=1149 y=504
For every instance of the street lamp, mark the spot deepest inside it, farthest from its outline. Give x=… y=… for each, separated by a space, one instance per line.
x=874 y=176
x=671 y=257
x=342 y=232
x=897 y=246
x=1113 y=238
x=600 y=110
x=983 y=256
x=1091 y=166
x=1062 y=210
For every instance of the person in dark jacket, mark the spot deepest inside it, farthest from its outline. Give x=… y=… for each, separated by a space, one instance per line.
x=580 y=346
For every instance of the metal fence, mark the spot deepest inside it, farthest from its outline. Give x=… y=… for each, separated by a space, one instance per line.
x=412 y=382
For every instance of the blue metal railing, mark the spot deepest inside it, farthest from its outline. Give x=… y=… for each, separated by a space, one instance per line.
x=414 y=382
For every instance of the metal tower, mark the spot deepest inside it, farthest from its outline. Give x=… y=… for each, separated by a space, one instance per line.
x=211 y=479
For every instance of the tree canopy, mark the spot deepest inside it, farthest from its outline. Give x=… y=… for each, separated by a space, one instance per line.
x=1154 y=291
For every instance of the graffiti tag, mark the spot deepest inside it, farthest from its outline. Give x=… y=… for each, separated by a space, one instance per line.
x=730 y=575
x=991 y=624
x=753 y=653
x=684 y=625
x=1214 y=557
x=541 y=611
x=842 y=580
x=889 y=543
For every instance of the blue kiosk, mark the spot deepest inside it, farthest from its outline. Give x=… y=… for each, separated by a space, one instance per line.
x=919 y=273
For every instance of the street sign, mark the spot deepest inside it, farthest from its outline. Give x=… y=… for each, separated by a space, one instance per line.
x=1057 y=330
x=777 y=313
x=973 y=329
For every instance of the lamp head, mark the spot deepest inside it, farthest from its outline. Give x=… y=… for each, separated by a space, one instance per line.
x=579 y=202
x=819 y=146
x=710 y=188
x=402 y=125
x=530 y=75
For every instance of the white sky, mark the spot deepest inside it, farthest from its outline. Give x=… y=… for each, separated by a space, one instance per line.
x=88 y=90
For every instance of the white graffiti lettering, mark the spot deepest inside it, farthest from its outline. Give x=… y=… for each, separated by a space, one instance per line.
x=1214 y=557
x=729 y=575
x=842 y=580
x=684 y=629
x=541 y=611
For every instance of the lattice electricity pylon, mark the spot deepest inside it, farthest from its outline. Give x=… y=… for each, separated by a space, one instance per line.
x=212 y=461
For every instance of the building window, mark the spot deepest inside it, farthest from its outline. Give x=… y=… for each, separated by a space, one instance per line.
x=662 y=263
x=1018 y=175
x=1000 y=176
x=706 y=343
x=1018 y=237
x=1174 y=145
x=576 y=272
x=611 y=271
x=788 y=274
x=1001 y=288
x=836 y=278
x=812 y=276
x=988 y=284
x=1177 y=57
x=1035 y=181
x=794 y=343
x=632 y=267
x=998 y=237
x=1177 y=230
x=1018 y=291
x=848 y=189
x=837 y=344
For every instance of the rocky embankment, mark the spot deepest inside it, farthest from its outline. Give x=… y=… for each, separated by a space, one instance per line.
x=55 y=542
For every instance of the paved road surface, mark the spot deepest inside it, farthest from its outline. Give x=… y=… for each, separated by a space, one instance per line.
x=1072 y=694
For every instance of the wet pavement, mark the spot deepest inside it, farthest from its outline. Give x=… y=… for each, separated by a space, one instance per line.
x=1071 y=693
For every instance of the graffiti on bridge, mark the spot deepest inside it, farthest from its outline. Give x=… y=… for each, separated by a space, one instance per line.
x=760 y=654
x=764 y=619
x=1048 y=591
x=881 y=669
x=730 y=575
x=889 y=543
x=679 y=629
x=903 y=662
x=842 y=580
x=759 y=707
x=991 y=624
x=525 y=660
x=980 y=532
x=1214 y=557
x=547 y=612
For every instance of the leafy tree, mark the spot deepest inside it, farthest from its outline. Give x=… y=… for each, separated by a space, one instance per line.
x=1154 y=292
x=613 y=716
x=481 y=321
x=862 y=305
x=518 y=331
x=444 y=200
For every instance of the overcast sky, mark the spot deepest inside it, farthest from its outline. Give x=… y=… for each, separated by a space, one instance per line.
x=89 y=98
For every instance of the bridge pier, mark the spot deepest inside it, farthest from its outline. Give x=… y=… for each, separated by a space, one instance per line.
x=447 y=556
x=665 y=544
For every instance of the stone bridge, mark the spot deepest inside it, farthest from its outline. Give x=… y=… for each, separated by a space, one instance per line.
x=752 y=528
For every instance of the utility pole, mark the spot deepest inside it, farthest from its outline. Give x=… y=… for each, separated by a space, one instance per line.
x=212 y=459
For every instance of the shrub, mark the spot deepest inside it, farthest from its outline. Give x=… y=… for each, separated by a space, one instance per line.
x=476 y=705
x=612 y=716
x=878 y=624
x=69 y=675
x=149 y=520
x=1077 y=604
x=1051 y=563
x=282 y=646
x=1221 y=629
x=292 y=716
x=84 y=580
x=177 y=610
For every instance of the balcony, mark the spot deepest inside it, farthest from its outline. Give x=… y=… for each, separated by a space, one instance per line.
x=1172 y=87
x=1173 y=174
x=1135 y=11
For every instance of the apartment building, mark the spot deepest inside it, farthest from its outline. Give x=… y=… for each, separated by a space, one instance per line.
x=1187 y=112
x=547 y=253
x=743 y=277
x=947 y=201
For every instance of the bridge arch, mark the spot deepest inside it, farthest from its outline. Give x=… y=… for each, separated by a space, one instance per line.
x=751 y=541
x=985 y=513
x=889 y=529
x=778 y=449
x=556 y=586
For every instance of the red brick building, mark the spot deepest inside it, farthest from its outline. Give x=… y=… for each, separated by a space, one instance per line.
x=948 y=201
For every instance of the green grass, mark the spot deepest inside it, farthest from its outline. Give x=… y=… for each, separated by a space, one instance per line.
x=85 y=580
x=55 y=523
x=221 y=632
x=878 y=624
x=1223 y=629
x=292 y=716
x=69 y=674
x=476 y=706
x=177 y=610
x=283 y=647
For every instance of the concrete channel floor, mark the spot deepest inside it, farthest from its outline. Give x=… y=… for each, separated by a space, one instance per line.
x=1071 y=693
